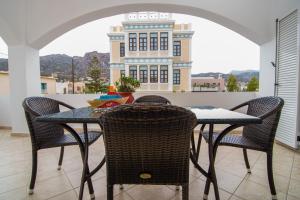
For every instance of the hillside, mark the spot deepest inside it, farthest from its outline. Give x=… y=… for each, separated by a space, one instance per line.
x=242 y=76
x=60 y=65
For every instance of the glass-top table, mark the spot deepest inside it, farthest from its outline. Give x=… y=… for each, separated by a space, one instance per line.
x=206 y=115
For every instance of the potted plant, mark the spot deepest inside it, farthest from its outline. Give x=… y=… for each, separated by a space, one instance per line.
x=126 y=86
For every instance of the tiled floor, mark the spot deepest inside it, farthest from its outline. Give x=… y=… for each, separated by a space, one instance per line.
x=234 y=183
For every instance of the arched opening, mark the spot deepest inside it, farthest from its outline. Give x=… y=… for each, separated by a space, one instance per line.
x=214 y=48
x=4 y=80
x=60 y=28
x=4 y=86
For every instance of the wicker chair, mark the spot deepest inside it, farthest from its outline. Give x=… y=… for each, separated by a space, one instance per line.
x=147 y=144
x=152 y=99
x=44 y=135
x=258 y=137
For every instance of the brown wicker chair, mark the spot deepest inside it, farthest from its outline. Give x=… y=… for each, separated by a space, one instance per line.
x=44 y=135
x=258 y=137
x=147 y=144
x=152 y=99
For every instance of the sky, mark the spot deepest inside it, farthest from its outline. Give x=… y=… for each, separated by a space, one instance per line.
x=214 y=47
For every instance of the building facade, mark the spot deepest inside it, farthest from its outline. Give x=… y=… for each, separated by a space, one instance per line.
x=151 y=48
x=208 y=84
x=48 y=84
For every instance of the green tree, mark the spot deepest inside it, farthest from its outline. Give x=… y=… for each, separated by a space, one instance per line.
x=232 y=84
x=253 y=84
x=95 y=85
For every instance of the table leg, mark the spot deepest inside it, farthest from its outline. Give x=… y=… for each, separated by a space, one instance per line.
x=84 y=155
x=86 y=171
x=196 y=150
x=211 y=172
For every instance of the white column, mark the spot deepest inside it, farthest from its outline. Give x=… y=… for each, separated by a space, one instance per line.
x=267 y=71
x=170 y=47
x=170 y=77
x=126 y=70
x=24 y=75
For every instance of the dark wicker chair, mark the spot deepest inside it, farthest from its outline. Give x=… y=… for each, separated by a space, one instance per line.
x=258 y=137
x=44 y=135
x=147 y=144
x=152 y=99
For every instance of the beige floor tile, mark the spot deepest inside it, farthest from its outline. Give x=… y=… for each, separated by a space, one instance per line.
x=235 y=198
x=292 y=198
x=12 y=182
x=17 y=194
x=70 y=195
x=249 y=190
x=296 y=173
x=227 y=181
x=100 y=189
x=15 y=171
x=122 y=196
x=14 y=168
x=150 y=192
x=261 y=177
x=45 y=174
x=51 y=187
x=294 y=189
x=75 y=177
x=196 y=191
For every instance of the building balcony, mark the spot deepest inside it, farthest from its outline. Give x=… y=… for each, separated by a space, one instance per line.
x=234 y=181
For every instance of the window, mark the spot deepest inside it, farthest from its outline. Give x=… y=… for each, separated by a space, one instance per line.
x=132 y=41
x=153 y=41
x=143 y=42
x=133 y=72
x=176 y=76
x=164 y=73
x=144 y=74
x=44 y=88
x=122 y=49
x=176 y=48
x=153 y=74
x=164 y=41
x=122 y=73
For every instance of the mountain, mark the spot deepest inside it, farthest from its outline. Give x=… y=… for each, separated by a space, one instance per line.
x=238 y=72
x=242 y=75
x=60 y=65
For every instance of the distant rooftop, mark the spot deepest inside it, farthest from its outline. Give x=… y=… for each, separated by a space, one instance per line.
x=148 y=16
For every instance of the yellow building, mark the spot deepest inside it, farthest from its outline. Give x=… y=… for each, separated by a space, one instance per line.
x=151 y=48
x=48 y=84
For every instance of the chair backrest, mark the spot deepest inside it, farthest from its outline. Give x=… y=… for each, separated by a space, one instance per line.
x=38 y=106
x=269 y=109
x=147 y=139
x=152 y=99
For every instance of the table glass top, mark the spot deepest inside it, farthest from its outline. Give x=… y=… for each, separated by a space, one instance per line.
x=204 y=114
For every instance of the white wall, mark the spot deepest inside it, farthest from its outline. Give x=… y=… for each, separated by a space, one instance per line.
x=36 y=21
x=218 y=99
x=5 y=111
x=267 y=71
x=279 y=9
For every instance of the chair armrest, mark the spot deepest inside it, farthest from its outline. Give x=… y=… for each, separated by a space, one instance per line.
x=240 y=106
x=65 y=105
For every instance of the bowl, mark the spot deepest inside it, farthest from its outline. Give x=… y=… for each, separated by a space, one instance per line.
x=97 y=103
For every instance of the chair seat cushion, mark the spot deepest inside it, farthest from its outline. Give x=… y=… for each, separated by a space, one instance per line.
x=68 y=139
x=235 y=141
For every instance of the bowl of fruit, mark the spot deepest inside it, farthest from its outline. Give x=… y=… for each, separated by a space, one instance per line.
x=107 y=101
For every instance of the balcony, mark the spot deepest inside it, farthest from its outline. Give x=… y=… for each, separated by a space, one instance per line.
x=30 y=25
x=234 y=182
